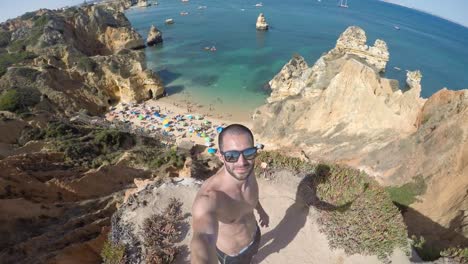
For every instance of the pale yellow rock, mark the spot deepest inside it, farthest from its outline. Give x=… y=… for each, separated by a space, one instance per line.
x=261 y=22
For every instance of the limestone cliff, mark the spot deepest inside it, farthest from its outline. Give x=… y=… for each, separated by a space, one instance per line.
x=341 y=109
x=91 y=49
x=340 y=97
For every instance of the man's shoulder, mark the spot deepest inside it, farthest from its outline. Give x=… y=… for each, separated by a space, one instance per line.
x=206 y=201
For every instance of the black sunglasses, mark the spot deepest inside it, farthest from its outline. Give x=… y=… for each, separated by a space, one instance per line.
x=233 y=155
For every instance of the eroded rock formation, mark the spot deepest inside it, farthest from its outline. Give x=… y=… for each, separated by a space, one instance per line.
x=261 y=22
x=92 y=49
x=341 y=109
x=154 y=36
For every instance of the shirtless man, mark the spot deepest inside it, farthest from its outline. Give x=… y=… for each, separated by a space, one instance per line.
x=224 y=225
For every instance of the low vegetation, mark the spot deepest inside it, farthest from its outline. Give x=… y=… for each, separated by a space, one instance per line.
x=161 y=231
x=424 y=250
x=356 y=214
x=90 y=147
x=406 y=194
x=9 y=59
x=456 y=254
x=18 y=100
x=113 y=253
x=4 y=38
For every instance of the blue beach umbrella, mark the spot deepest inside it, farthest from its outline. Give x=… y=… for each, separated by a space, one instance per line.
x=211 y=150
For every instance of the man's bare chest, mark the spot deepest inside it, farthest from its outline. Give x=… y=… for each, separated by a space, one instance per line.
x=234 y=207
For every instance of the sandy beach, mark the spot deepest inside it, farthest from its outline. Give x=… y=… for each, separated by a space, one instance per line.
x=216 y=108
x=176 y=116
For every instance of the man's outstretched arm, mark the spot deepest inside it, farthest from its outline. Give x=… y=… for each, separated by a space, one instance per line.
x=205 y=231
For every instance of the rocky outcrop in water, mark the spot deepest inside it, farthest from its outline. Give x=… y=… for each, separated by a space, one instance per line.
x=92 y=49
x=261 y=23
x=142 y=3
x=353 y=42
x=341 y=109
x=154 y=36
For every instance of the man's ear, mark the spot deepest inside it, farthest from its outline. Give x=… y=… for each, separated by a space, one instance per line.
x=219 y=155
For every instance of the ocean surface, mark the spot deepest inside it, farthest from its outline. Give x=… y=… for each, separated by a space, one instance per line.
x=245 y=59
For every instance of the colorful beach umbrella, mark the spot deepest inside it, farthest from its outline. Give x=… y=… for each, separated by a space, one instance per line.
x=211 y=150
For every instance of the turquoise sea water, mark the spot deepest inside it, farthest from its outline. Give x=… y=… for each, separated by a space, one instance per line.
x=245 y=59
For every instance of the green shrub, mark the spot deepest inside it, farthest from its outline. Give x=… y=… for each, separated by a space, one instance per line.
x=113 y=253
x=27 y=73
x=356 y=214
x=59 y=130
x=111 y=140
x=10 y=101
x=457 y=254
x=277 y=160
x=424 y=250
x=406 y=194
x=160 y=233
x=4 y=38
x=9 y=59
x=41 y=21
x=18 y=100
x=168 y=158
x=362 y=219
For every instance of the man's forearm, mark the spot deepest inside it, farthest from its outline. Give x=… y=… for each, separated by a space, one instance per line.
x=259 y=207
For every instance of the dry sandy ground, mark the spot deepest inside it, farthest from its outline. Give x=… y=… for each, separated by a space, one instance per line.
x=293 y=235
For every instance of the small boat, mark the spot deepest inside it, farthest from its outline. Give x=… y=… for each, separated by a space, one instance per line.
x=201 y=7
x=183 y=13
x=213 y=48
x=259 y=4
x=185 y=1
x=397 y=68
x=396 y=27
x=343 y=3
x=169 y=21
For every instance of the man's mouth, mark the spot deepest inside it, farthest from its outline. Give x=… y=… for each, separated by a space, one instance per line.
x=242 y=169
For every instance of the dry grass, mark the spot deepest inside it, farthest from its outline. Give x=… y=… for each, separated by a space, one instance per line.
x=160 y=232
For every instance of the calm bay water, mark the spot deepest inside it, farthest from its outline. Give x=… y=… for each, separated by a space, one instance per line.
x=246 y=59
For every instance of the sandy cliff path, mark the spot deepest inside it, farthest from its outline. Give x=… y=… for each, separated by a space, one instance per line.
x=293 y=235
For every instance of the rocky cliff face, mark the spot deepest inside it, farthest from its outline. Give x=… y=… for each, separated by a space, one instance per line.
x=341 y=109
x=340 y=97
x=91 y=49
x=438 y=153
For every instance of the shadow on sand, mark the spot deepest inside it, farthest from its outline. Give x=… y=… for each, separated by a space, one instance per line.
x=296 y=215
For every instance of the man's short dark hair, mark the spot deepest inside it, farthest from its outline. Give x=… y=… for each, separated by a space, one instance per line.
x=234 y=129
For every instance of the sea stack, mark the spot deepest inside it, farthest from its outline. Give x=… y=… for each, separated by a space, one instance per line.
x=143 y=3
x=154 y=36
x=261 y=22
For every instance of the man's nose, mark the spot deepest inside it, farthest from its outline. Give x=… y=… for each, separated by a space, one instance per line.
x=242 y=160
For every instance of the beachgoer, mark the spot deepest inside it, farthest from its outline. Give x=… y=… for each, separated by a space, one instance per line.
x=224 y=225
